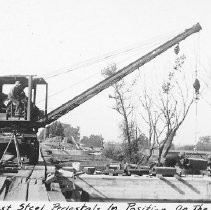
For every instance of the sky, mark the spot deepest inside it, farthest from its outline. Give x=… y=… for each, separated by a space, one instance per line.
x=62 y=40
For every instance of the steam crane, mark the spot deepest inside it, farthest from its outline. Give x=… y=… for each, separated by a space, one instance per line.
x=22 y=129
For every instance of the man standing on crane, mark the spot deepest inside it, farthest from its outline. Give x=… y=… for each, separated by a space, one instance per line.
x=16 y=95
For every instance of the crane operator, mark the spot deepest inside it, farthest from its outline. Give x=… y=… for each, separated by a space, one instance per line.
x=16 y=96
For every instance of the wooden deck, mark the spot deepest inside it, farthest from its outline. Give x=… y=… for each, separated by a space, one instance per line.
x=45 y=182
x=145 y=188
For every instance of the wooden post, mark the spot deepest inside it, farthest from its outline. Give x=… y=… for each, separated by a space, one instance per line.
x=29 y=98
x=17 y=150
x=35 y=93
x=46 y=100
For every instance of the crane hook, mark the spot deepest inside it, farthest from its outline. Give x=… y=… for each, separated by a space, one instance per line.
x=196 y=86
x=177 y=49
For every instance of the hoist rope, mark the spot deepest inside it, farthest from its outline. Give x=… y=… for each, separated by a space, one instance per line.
x=196 y=122
x=64 y=89
x=110 y=55
x=131 y=50
x=83 y=80
x=133 y=53
x=196 y=93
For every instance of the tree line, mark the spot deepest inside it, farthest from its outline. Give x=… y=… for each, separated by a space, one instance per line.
x=65 y=130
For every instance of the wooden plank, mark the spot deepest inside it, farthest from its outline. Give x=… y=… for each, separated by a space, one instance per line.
x=2 y=180
x=165 y=171
x=50 y=169
x=6 y=171
x=37 y=192
x=28 y=167
x=122 y=188
x=24 y=173
x=17 y=191
x=56 y=196
x=32 y=181
x=24 y=180
x=39 y=181
x=7 y=157
x=2 y=195
x=38 y=172
x=2 y=188
x=56 y=193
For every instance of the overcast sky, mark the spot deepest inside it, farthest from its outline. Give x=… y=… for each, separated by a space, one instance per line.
x=51 y=37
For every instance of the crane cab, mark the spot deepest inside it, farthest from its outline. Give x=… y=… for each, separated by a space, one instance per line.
x=30 y=107
x=21 y=123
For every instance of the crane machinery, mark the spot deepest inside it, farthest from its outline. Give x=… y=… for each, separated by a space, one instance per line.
x=18 y=133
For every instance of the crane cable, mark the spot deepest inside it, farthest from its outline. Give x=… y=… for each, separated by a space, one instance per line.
x=196 y=86
x=137 y=46
x=133 y=50
x=127 y=50
x=83 y=80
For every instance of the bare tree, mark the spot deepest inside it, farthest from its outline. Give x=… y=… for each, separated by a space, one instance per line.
x=166 y=110
x=123 y=104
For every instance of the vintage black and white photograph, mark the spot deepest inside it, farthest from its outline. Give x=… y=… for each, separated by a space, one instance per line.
x=105 y=101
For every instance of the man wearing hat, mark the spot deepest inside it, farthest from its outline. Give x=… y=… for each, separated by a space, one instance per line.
x=17 y=94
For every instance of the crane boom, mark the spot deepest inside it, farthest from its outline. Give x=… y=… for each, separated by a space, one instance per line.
x=91 y=92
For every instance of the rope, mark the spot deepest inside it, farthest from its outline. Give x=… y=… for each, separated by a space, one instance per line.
x=196 y=92
x=132 y=50
x=196 y=122
x=131 y=55
x=109 y=55
x=64 y=89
